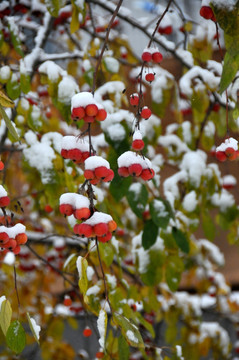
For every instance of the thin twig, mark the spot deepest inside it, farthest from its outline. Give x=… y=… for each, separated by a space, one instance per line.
x=104 y=45
x=15 y=285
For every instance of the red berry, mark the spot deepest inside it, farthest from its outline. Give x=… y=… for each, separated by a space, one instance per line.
x=146 y=113
x=78 y=112
x=16 y=250
x=64 y=153
x=110 y=176
x=135 y=169
x=48 y=208
x=221 y=156
x=134 y=99
x=105 y=238
x=149 y=77
x=74 y=154
x=89 y=119
x=87 y=332
x=157 y=57
x=138 y=144
x=147 y=174
x=4 y=201
x=10 y=245
x=94 y=181
x=101 y=229
x=91 y=110
x=89 y=174
x=21 y=239
x=229 y=151
x=85 y=230
x=83 y=213
x=85 y=155
x=1 y=166
x=101 y=172
x=167 y=30
x=3 y=238
x=207 y=13
x=101 y=115
x=99 y=355
x=216 y=107
x=112 y=226
x=123 y=171
x=146 y=56
x=66 y=209
x=67 y=300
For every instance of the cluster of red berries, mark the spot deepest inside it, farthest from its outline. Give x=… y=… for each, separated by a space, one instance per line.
x=99 y=224
x=145 y=112
x=130 y=163
x=96 y=169
x=74 y=149
x=75 y=204
x=206 y=11
x=12 y=237
x=84 y=106
x=152 y=54
x=227 y=150
x=165 y=30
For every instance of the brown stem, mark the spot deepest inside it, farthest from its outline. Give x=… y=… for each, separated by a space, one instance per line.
x=15 y=285
x=104 y=45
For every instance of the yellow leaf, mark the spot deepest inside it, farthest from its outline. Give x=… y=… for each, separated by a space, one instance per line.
x=5 y=316
x=5 y=101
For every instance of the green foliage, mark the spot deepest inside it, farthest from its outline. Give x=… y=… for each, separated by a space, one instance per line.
x=150 y=234
x=137 y=198
x=16 y=337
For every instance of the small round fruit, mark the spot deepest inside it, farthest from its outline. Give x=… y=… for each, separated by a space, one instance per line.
x=67 y=300
x=66 y=209
x=3 y=238
x=101 y=172
x=134 y=99
x=146 y=113
x=138 y=144
x=83 y=213
x=157 y=57
x=4 y=201
x=101 y=115
x=89 y=174
x=99 y=355
x=123 y=171
x=1 y=165
x=221 y=156
x=48 y=208
x=207 y=13
x=110 y=176
x=146 y=56
x=147 y=174
x=89 y=119
x=21 y=239
x=101 y=229
x=149 y=77
x=105 y=238
x=85 y=230
x=112 y=226
x=87 y=332
x=135 y=169
x=78 y=112
x=91 y=110
x=11 y=244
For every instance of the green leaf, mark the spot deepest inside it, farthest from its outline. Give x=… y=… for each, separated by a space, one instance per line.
x=150 y=234
x=16 y=337
x=161 y=212
x=181 y=240
x=154 y=272
x=129 y=331
x=5 y=316
x=174 y=270
x=9 y=125
x=25 y=81
x=74 y=26
x=230 y=68
x=13 y=88
x=119 y=186
x=137 y=197
x=83 y=280
x=14 y=31
x=5 y=101
x=106 y=253
x=123 y=348
x=208 y=225
x=53 y=6
x=33 y=327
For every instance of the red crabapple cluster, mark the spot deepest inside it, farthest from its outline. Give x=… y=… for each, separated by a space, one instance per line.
x=131 y=163
x=75 y=149
x=84 y=106
x=227 y=150
x=206 y=11
x=96 y=169
x=75 y=204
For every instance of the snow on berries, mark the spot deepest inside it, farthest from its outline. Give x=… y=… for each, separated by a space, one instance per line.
x=152 y=54
x=4 y=199
x=74 y=149
x=165 y=26
x=11 y=238
x=130 y=163
x=84 y=106
x=75 y=204
x=145 y=112
x=96 y=169
x=138 y=143
x=99 y=224
x=134 y=99
x=227 y=150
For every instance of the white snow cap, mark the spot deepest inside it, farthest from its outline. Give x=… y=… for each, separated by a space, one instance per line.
x=98 y=217
x=3 y=192
x=94 y=162
x=76 y=200
x=228 y=143
x=129 y=157
x=82 y=99
x=72 y=142
x=137 y=135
